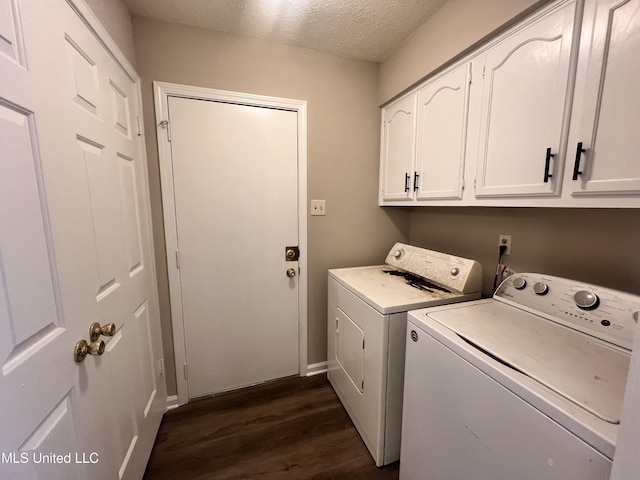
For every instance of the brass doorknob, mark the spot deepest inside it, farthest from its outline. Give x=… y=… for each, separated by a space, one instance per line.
x=95 y=330
x=291 y=272
x=82 y=349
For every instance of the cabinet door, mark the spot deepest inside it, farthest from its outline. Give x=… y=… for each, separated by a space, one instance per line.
x=606 y=112
x=526 y=76
x=398 y=150
x=441 y=136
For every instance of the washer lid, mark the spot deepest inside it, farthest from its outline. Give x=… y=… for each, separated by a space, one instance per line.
x=581 y=368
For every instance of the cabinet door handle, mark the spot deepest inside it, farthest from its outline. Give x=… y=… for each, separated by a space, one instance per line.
x=576 y=164
x=416 y=176
x=406 y=182
x=547 y=164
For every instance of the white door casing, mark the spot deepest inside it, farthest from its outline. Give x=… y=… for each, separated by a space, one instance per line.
x=190 y=275
x=75 y=249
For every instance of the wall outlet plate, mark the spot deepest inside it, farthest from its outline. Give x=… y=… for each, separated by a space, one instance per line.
x=505 y=240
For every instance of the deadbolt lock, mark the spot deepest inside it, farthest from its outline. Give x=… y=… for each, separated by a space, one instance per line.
x=291 y=254
x=95 y=330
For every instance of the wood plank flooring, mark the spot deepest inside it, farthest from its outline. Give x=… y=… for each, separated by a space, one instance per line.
x=290 y=429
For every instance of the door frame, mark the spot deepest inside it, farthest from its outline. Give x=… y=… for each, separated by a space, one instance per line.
x=162 y=92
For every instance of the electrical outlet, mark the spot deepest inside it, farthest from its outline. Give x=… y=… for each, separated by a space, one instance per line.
x=505 y=240
x=317 y=207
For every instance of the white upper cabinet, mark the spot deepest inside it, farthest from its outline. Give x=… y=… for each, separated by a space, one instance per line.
x=443 y=106
x=545 y=115
x=526 y=76
x=398 y=150
x=424 y=142
x=603 y=158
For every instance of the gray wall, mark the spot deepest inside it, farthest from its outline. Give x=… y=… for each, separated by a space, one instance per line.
x=343 y=146
x=592 y=245
x=455 y=28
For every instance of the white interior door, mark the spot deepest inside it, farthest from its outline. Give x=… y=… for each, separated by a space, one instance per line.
x=74 y=249
x=235 y=177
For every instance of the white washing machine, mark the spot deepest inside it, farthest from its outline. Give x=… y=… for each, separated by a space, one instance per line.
x=527 y=385
x=366 y=333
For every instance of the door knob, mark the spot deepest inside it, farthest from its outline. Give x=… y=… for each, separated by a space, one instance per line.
x=82 y=349
x=95 y=330
x=291 y=272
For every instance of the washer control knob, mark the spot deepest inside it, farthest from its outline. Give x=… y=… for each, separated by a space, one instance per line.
x=586 y=300
x=519 y=283
x=541 y=288
x=455 y=271
x=397 y=253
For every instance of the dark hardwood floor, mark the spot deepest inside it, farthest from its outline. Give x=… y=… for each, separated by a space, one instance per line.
x=294 y=428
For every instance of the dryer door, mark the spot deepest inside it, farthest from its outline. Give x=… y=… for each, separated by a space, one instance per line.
x=350 y=349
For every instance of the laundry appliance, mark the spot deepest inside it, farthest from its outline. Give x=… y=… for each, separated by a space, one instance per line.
x=367 y=317
x=528 y=384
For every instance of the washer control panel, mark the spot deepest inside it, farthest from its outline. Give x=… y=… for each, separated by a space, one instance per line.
x=604 y=313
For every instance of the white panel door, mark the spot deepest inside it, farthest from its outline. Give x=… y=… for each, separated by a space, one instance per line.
x=443 y=107
x=525 y=85
x=235 y=171
x=398 y=150
x=607 y=105
x=74 y=249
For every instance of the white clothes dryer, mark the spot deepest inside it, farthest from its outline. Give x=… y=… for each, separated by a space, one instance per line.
x=367 y=317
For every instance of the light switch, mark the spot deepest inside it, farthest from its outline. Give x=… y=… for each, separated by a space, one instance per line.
x=317 y=207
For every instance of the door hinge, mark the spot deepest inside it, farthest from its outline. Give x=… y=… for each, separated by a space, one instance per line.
x=362 y=385
x=363 y=343
x=165 y=123
x=178 y=259
x=139 y=127
x=483 y=69
x=161 y=362
x=186 y=375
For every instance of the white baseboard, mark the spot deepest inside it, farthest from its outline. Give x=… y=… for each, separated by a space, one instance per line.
x=172 y=402
x=316 y=369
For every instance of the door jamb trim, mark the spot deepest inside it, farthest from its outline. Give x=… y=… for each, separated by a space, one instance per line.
x=162 y=92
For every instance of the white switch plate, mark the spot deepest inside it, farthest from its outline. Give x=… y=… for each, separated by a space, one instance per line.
x=317 y=207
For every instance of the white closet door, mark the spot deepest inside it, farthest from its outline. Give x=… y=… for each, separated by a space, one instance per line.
x=74 y=249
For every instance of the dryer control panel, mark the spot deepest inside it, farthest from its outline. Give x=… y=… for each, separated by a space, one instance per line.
x=457 y=274
x=604 y=313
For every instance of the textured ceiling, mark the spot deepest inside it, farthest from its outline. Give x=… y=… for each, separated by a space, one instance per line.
x=363 y=29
